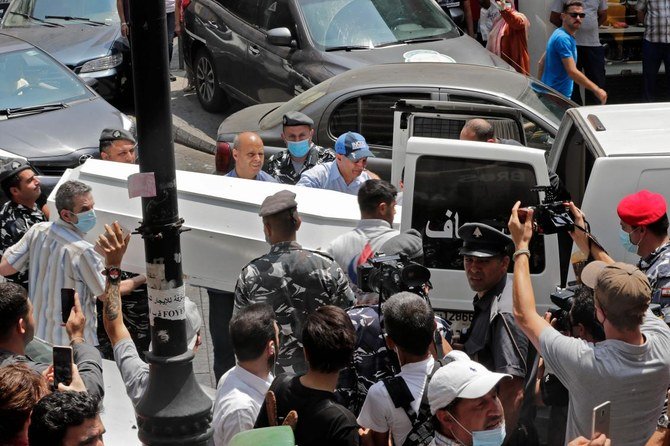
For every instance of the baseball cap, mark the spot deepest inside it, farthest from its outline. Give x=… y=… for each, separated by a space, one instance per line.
x=353 y=146
x=641 y=208
x=620 y=287
x=461 y=378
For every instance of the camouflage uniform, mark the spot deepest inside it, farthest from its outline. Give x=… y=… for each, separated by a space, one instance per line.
x=15 y=220
x=135 y=308
x=657 y=268
x=281 y=168
x=294 y=281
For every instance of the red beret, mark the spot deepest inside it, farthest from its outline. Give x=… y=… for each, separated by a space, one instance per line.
x=641 y=208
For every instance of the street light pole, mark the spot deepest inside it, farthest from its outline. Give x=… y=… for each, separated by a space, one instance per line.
x=174 y=409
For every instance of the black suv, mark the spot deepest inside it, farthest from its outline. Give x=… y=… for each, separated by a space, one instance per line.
x=260 y=51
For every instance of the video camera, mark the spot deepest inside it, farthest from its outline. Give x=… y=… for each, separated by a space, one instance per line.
x=391 y=274
x=563 y=299
x=551 y=216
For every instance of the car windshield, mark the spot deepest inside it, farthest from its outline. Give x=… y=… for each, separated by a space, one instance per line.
x=546 y=102
x=352 y=24
x=30 y=78
x=298 y=103
x=59 y=12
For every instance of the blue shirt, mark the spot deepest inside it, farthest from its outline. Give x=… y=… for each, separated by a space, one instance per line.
x=561 y=45
x=328 y=176
x=262 y=176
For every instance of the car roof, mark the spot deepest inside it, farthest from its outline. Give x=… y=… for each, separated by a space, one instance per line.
x=630 y=129
x=10 y=43
x=470 y=77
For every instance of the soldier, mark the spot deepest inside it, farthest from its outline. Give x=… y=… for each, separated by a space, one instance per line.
x=302 y=154
x=22 y=187
x=293 y=280
x=494 y=339
x=120 y=145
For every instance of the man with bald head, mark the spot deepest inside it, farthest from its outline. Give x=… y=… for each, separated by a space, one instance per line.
x=481 y=130
x=249 y=156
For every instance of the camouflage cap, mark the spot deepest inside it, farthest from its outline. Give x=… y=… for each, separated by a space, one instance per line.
x=116 y=135
x=11 y=168
x=281 y=201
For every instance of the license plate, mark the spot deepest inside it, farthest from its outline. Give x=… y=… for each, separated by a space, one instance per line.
x=459 y=320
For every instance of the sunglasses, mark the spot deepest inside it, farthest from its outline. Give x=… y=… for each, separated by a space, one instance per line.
x=574 y=15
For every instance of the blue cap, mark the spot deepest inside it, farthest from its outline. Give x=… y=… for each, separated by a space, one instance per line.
x=353 y=146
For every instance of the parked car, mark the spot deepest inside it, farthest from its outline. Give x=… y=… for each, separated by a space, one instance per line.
x=3 y=7
x=361 y=100
x=48 y=115
x=85 y=36
x=271 y=50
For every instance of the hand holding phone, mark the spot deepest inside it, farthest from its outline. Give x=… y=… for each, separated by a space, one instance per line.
x=67 y=302
x=600 y=422
x=62 y=365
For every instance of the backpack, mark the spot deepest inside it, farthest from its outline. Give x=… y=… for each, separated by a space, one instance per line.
x=423 y=431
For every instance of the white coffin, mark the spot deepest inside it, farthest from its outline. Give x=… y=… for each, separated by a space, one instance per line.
x=221 y=213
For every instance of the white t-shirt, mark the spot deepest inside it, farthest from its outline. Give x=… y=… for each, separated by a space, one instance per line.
x=634 y=378
x=169 y=6
x=378 y=412
x=587 y=34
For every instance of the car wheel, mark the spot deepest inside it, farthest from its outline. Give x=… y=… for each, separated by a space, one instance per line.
x=211 y=96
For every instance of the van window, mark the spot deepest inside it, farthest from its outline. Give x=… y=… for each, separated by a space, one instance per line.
x=575 y=164
x=371 y=116
x=449 y=192
x=247 y=10
x=451 y=126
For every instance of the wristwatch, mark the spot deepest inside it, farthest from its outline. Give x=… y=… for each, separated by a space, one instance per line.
x=113 y=274
x=663 y=421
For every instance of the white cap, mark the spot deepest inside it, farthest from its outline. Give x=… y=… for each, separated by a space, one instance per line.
x=461 y=378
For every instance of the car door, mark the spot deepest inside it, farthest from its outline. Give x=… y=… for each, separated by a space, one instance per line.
x=272 y=78
x=452 y=182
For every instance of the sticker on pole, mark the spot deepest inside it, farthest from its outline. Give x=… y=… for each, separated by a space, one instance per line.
x=142 y=184
x=165 y=302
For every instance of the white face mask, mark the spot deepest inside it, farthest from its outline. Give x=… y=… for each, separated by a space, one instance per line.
x=492 y=437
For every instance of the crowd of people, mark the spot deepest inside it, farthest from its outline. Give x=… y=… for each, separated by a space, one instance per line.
x=317 y=351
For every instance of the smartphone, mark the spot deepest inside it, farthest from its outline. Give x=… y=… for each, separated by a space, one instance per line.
x=66 y=302
x=600 y=423
x=62 y=365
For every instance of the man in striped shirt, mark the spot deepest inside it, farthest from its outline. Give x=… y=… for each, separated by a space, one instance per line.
x=57 y=256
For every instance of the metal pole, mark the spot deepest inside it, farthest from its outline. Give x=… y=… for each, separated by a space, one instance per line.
x=174 y=409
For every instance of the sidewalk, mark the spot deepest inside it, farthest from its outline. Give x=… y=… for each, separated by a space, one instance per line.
x=203 y=364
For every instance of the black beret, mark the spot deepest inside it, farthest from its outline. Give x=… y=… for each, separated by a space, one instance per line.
x=281 y=201
x=12 y=167
x=297 y=118
x=116 y=135
x=480 y=240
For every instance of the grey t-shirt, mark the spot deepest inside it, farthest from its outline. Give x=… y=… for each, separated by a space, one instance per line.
x=587 y=35
x=134 y=371
x=634 y=378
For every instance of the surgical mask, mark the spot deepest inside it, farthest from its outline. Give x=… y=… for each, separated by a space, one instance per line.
x=492 y=437
x=624 y=239
x=298 y=148
x=85 y=221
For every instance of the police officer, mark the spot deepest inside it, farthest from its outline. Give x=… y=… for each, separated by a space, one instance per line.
x=118 y=145
x=644 y=231
x=21 y=186
x=302 y=154
x=494 y=340
x=293 y=280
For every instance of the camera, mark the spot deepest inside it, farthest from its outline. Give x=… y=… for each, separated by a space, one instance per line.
x=391 y=274
x=563 y=299
x=551 y=216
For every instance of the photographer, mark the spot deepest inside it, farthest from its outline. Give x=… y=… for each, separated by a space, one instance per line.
x=630 y=368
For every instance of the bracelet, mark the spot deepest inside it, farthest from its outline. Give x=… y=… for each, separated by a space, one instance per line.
x=78 y=338
x=520 y=252
x=124 y=24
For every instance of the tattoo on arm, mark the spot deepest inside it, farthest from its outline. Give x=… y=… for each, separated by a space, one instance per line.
x=112 y=301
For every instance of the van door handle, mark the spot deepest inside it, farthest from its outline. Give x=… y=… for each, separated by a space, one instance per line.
x=254 y=50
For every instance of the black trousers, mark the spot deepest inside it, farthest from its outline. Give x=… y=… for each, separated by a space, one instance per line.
x=220 y=312
x=590 y=60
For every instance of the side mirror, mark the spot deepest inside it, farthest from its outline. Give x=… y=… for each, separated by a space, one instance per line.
x=280 y=37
